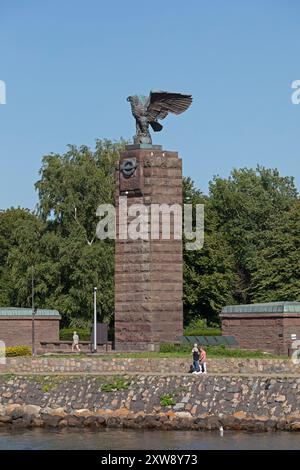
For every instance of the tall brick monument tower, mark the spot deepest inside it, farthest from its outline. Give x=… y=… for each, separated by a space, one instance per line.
x=148 y=267
x=148 y=272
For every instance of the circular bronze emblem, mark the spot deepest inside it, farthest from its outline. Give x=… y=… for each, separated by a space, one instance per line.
x=128 y=167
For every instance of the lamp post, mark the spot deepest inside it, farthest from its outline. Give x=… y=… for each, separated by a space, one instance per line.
x=33 y=312
x=95 y=319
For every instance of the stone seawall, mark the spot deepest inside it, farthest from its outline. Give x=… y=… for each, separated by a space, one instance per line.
x=257 y=403
x=112 y=364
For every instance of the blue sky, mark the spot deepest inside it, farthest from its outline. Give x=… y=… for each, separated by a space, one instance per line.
x=69 y=65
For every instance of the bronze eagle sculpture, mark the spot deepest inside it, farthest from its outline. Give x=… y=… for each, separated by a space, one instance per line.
x=148 y=109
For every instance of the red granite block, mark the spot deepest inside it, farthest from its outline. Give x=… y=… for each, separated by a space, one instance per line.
x=148 y=274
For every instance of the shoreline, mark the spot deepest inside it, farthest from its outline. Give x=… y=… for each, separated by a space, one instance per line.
x=165 y=402
x=30 y=416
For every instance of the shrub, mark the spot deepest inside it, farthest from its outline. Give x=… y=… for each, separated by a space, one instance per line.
x=199 y=327
x=198 y=323
x=66 y=334
x=169 y=348
x=48 y=386
x=202 y=331
x=167 y=400
x=14 y=351
x=118 y=384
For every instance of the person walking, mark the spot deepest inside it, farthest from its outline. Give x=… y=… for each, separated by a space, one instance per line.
x=75 y=344
x=202 y=359
x=196 y=358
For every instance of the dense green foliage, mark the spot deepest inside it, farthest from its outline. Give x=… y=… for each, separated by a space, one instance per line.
x=198 y=327
x=251 y=248
x=66 y=334
x=167 y=400
x=58 y=242
x=189 y=331
x=251 y=251
x=118 y=384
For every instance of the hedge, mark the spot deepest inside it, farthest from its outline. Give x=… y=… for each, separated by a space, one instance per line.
x=14 y=351
x=66 y=334
x=202 y=331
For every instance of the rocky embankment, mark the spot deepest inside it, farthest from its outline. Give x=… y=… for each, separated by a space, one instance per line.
x=159 y=402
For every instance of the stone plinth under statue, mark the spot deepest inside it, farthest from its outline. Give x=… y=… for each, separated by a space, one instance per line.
x=148 y=272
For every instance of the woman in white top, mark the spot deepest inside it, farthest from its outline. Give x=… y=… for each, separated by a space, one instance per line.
x=75 y=342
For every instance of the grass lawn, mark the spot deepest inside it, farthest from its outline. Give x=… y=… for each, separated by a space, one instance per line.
x=210 y=354
x=179 y=351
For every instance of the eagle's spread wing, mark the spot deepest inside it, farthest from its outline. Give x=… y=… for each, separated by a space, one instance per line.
x=162 y=102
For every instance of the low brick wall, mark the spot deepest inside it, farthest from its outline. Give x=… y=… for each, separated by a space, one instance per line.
x=98 y=365
x=157 y=402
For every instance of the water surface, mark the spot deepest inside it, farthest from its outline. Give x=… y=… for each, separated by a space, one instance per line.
x=112 y=439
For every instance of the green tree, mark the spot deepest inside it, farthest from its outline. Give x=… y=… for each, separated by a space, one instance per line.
x=15 y=226
x=71 y=188
x=209 y=273
x=209 y=279
x=275 y=271
x=245 y=204
x=59 y=243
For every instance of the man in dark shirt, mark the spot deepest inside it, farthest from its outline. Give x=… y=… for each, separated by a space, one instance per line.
x=196 y=358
